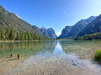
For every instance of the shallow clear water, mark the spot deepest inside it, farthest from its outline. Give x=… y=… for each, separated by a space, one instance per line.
x=65 y=57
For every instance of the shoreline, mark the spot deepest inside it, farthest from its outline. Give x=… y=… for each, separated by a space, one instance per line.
x=54 y=65
x=21 y=40
x=8 y=63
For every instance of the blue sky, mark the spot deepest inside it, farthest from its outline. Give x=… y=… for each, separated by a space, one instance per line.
x=53 y=13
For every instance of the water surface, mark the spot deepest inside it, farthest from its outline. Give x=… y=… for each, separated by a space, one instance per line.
x=67 y=57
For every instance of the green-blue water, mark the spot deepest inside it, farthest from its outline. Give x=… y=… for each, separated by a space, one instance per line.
x=68 y=54
x=26 y=49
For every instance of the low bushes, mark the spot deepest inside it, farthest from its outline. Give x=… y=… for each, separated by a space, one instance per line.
x=98 y=56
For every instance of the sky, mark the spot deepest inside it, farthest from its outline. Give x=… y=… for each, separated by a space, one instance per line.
x=54 y=14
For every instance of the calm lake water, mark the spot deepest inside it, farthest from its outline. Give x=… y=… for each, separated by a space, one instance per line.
x=65 y=57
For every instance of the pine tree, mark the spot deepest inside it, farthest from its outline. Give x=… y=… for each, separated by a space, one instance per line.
x=1 y=35
x=7 y=34
x=12 y=35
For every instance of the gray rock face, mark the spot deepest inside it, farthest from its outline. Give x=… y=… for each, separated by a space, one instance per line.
x=92 y=27
x=72 y=31
x=50 y=33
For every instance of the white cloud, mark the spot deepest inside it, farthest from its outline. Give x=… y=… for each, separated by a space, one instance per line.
x=58 y=33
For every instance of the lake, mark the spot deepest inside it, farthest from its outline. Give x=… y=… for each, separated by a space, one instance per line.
x=60 y=57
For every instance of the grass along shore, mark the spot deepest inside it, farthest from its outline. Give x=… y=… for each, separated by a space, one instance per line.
x=98 y=56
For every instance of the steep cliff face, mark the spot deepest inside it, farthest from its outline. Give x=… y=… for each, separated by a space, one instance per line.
x=92 y=27
x=65 y=32
x=50 y=33
x=72 y=31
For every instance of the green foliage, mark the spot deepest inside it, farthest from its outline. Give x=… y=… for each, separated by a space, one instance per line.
x=13 y=35
x=21 y=28
x=35 y=37
x=90 y=37
x=1 y=35
x=29 y=36
x=7 y=33
x=17 y=36
x=98 y=55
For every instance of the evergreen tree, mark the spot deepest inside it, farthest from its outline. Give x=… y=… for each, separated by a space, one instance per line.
x=18 y=36
x=29 y=36
x=35 y=37
x=1 y=35
x=89 y=37
x=12 y=35
x=7 y=34
x=26 y=36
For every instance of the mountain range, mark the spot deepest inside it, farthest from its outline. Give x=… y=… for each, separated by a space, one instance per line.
x=11 y=20
x=85 y=26
x=49 y=33
x=73 y=31
x=92 y=27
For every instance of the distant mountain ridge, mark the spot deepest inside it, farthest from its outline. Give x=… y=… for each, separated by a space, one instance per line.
x=92 y=27
x=50 y=33
x=85 y=26
x=72 y=31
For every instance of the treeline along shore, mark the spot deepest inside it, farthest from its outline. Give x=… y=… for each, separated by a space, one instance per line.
x=11 y=34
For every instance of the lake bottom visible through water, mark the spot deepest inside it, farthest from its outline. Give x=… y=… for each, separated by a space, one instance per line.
x=54 y=58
